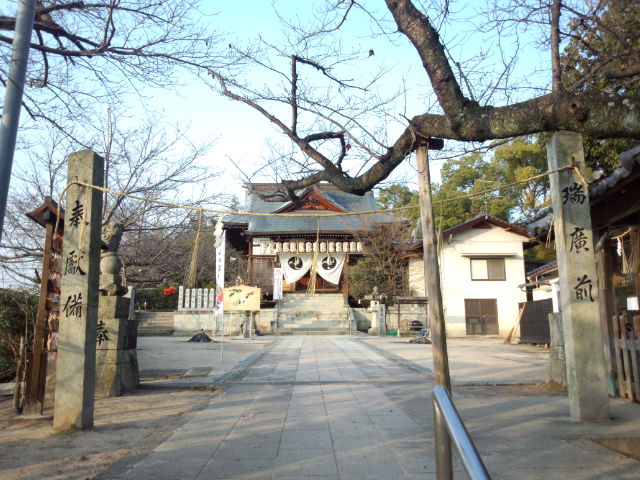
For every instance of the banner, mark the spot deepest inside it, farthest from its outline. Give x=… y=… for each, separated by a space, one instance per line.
x=330 y=266
x=277 y=283
x=295 y=265
x=220 y=275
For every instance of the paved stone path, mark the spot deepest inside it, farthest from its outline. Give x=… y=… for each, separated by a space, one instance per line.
x=308 y=408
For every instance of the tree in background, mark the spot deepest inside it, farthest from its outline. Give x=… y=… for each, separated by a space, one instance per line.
x=383 y=264
x=88 y=52
x=18 y=308
x=603 y=54
x=397 y=196
x=345 y=129
x=150 y=160
x=505 y=164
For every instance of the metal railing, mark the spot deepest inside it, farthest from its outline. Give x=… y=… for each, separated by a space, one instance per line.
x=445 y=411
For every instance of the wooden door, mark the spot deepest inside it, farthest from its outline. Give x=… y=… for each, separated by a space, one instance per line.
x=481 y=316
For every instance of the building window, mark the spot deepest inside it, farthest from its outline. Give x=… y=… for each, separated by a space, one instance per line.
x=487 y=269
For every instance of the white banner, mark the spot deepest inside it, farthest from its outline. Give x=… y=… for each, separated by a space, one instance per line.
x=294 y=265
x=277 y=283
x=330 y=266
x=220 y=275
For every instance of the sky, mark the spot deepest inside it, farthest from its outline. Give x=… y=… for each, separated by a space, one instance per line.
x=241 y=134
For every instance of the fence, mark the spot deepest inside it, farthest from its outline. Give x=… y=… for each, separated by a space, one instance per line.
x=626 y=328
x=196 y=298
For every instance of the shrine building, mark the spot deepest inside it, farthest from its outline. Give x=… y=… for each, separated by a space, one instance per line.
x=292 y=243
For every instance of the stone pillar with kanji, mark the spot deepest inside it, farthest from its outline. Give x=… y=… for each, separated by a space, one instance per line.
x=584 y=348
x=75 y=370
x=116 y=333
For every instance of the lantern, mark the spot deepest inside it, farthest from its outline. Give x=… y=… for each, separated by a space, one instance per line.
x=309 y=247
x=332 y=247
x=323 y=246
x=352 y=247
x=285 y=247
x=278 y=247
x=345 y=246
x=293 y=246
x=301 y=248
x=359 y=247
x=339 y=247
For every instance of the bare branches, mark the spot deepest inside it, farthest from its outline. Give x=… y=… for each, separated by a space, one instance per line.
x=416 y=26
x=114 y=47
x=556 y=69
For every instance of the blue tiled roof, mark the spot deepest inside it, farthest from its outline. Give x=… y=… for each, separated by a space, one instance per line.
x=345 y=201
x=541 y=268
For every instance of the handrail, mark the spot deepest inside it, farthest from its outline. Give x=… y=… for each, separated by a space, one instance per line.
x=469 y=455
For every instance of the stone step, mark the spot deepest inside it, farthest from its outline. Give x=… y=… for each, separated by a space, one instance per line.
x=155 y=324
x=311 y=302
x=154 y=332
x=336 y=324
x=312 y=331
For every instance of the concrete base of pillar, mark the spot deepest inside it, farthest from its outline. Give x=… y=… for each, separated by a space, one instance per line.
x=116 y=356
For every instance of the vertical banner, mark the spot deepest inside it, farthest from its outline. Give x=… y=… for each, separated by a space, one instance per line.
x=219 y=309
x=277 y=284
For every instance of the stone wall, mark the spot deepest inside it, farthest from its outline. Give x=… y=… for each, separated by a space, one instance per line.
x=408 y=314
x=189 y=322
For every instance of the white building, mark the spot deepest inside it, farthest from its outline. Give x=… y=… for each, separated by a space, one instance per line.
x=482 y=267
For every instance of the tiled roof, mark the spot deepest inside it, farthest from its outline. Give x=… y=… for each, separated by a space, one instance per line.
x=543 y=268
x=540 y=222
x=345 y=201
x=470 y=224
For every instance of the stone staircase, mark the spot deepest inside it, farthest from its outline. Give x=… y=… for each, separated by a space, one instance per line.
x=154 y=324
x=319 y=314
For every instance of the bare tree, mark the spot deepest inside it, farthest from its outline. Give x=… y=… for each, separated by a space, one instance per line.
x=339 y=123
x=384 y=262
x=83 y=52
x=150 y=161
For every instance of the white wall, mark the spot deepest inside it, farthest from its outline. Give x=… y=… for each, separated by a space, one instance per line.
x=456 y=276
x=542 y=292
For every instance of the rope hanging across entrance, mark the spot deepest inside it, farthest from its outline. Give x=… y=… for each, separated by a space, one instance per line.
x=307 y=215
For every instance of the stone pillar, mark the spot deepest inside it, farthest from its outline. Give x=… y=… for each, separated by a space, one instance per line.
x=116 y=356
x=579 y=297
x=75 y=382
x=382 y=319
x=557 y=373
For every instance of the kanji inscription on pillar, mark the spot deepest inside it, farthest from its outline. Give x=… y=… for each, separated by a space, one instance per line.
x=75 y=382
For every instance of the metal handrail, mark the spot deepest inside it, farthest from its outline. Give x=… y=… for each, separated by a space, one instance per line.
x=469 y=455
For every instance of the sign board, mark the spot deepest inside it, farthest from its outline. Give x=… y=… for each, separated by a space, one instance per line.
x=242 y=297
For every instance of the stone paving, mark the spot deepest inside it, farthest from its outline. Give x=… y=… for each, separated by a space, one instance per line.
x=308 y=408
x=340 y=408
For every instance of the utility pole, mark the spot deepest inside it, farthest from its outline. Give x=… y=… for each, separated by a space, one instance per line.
x=434 y=295
x=13 y=97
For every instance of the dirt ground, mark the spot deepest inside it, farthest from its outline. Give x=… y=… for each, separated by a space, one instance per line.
x=125 y=428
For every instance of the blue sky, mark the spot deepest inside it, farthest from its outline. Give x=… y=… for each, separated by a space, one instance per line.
x=241 y=134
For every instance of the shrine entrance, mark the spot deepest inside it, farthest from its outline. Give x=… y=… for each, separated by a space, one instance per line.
x=302 y=285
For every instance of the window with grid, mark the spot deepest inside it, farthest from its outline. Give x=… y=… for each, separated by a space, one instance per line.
x=487 y=269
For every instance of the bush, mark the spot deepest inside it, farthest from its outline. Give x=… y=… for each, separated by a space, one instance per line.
x=18 y=309
x=156 y=299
